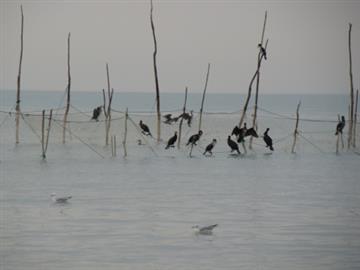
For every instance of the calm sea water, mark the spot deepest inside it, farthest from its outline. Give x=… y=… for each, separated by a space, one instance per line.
x=275 y=212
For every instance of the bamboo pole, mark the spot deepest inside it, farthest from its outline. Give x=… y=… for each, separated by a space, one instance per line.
x=355 y=118
x=114 y=145
x=261 y=56
x=68 y=91
x=258 y=83
x=48 y=131
x=125 y=133
x=17 y=119
x=182 y=119
x=203 y=96
x=43 y=134
x=351 y=114
x=156 y=75
x=296 y=128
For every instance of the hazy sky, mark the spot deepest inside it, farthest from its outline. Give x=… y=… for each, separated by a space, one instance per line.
x=307 y=51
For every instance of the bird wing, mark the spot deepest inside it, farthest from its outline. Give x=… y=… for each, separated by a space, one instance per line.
x=208 y=228
x=251 y=132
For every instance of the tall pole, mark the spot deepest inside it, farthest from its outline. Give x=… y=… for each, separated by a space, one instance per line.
x=182 y=119
x=203 y=96
x=19 y=80
x=156 y=75
x=68 y=90
x=258 y=82
x=351 y=114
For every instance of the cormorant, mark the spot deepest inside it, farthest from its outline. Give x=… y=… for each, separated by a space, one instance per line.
x=145 y=129
x=96 y=113
x=210 y=147
x=194 y=138
x=188 y=117
x=169 y=119
x=268 y=140
x=233 y=145
x=340 y=126
x=171 y=141
x=263 y=51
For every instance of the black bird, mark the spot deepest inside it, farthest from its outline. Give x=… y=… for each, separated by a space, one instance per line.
x=210 y=147
x=194 y=138
x=96 y=113
x=171 y=141
x=241 y=133
x=233 y=145
x=340 y=126
x=263 y=51
x=169 y=120
x=251 y=132
x=145 y=129
x=268 y=140
x=188 y=117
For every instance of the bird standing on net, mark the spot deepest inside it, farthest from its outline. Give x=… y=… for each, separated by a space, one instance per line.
x=340 y=126
x=96 y=114
x=268 y=140
x=233 y=145
x=194 y=138
x=144 y=129
x=171 y=141
x=210 y=147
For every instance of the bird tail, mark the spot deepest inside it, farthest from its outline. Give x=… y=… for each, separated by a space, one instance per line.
x=167 y=147
x=271 y=148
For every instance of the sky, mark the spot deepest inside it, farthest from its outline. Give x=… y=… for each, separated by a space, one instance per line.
x=307 y=49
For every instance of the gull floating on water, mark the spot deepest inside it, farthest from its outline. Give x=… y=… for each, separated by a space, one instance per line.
x=207 y=230
x=61 y=199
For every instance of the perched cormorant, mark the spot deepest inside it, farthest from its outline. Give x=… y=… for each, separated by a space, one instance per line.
x=233 y=145
x=194 y=138
x=171 y=141
x=243 y=132
x=268 y=140
x=145 y=129
x=340 y=126
x=210 y=147
x=96 y=113
x=188 y=117
x=263 y=51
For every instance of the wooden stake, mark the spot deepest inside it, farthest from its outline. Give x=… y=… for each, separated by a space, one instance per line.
x=355 y=118
x=125 y=133
x=296 y=128
x=182 y=119
x=68 y=92
x=17 y=119
x=258 y=83
x=43 y=134
x=48 y=131
x=156 y=75
x=114 y=145
x=203 y=96
x=351 y=113
x=45 y=139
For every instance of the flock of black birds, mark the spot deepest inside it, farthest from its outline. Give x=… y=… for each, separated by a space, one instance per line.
x=239 y=133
